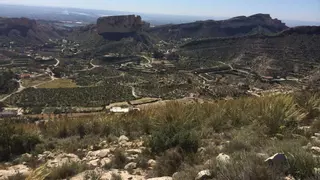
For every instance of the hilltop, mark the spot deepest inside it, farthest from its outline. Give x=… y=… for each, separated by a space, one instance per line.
x=237 y=26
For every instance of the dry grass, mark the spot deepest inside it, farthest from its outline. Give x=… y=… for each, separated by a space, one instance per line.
x=35 y=81
x=59 y=83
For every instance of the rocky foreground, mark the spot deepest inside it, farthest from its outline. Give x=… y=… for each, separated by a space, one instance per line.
x=101 y=158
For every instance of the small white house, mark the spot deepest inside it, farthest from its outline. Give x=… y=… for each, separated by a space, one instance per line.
x=123 y=109
x=119 y=110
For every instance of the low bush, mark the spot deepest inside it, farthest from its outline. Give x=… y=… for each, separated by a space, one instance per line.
x=119 y=160
x=66 y=170
x=15 y=141
x=168 y=163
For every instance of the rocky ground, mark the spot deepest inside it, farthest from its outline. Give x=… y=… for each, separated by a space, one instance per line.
x=100 y=161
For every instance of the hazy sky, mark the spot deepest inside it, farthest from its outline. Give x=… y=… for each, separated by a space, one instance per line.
x=306 y=10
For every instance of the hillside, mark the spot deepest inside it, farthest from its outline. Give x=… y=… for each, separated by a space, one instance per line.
x=21 y=31
x=292 y=52
x=242 y=25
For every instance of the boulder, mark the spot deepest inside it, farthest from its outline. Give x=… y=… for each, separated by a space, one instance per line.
x=152 y=163
x=103 y=153
x=315 y=149
x=203 y=175
x=123 y=139
x=161 y=178
x=134 y=151
x=130 y=166
x=122 y=174
x=105 y=162
x=13 y=171
x=93 y=163
x=223 y=159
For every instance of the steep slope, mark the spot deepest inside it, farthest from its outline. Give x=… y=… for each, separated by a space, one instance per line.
x=24 y=31
x=292 y=52
x=242 y=25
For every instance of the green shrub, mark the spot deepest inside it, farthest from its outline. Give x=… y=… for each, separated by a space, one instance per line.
x=277 y=113
x=14 y=141
x=119 y=160
x=244 y=166
x=168 y=163
x=66 y=170
x=170 y=136
x=302 y=163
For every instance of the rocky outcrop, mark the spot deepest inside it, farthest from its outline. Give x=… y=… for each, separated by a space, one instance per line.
x=119 y=24
x=118 y=27
x=237 y=26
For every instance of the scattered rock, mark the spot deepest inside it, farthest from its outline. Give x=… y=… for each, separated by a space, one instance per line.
x=223 y=159
x=123 y=139
x=130 y=166
x=152 y=163
x=26 y=156
x=105 y=162
x=317 y=135
x=203 y=175
x=161 y=178
x=103 y=153
x=93 y=163
x=289 y=177
x=13 y=171
x=134 y=151
x=316 y=171
x=315 y=149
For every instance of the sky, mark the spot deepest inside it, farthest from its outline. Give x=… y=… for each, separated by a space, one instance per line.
x=304 y=10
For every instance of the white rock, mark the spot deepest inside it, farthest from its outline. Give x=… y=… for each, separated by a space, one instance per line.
x=152 y=163
x=105 y=162
x=93 y=163
x=317 y=135
x=103 y=153
x=26 y=156
x=223 y=159
x=123 y=138
x=161 y=178
x=130 y=166
x=15 y=170
x=315 y=149
x=134 y=151
x=202 y=175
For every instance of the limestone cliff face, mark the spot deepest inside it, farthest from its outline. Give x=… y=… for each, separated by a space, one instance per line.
x=119 y=24
x=23 y=25
x=237 y=26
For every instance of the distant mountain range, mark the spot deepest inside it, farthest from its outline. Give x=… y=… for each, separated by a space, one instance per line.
x=88 y=16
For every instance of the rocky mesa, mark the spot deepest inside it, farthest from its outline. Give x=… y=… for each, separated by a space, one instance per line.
x=237 y=26
x=119 y=24
x=117 y=27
